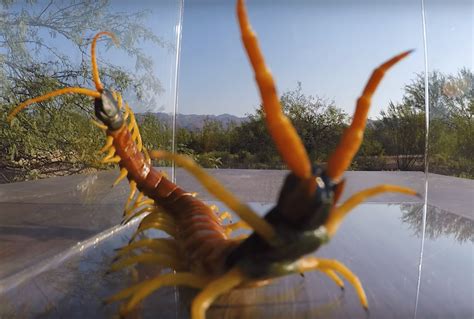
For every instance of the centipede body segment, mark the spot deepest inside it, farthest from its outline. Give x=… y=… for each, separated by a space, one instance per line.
x=200 y=248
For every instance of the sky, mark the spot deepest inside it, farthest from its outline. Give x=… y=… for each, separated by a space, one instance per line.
x=331 y=47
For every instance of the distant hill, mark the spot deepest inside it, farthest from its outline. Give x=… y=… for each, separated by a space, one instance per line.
x=196 y=121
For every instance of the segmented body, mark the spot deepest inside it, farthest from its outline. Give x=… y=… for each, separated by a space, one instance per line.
x=198 y=229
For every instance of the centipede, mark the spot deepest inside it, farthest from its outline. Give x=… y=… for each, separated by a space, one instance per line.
x=199 y=249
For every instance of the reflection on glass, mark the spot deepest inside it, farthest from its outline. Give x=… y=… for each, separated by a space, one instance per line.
x=438 y=223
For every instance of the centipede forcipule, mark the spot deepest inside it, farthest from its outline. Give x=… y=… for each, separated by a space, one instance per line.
x=199 y=248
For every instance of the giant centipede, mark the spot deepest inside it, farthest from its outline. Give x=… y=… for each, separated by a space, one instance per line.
x=199 y=249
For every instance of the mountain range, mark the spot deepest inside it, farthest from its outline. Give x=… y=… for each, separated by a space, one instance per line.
x=196 y=121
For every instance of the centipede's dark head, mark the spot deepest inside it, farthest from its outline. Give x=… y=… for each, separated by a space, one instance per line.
x=306 y=203
x=298 y=218
x=108 y=111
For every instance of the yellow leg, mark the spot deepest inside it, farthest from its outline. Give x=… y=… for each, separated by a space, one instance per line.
x=99 y=125
x=119 y=100
x=149 y=258
x=114 y=160
x=110 y=154
x=261 y=226
x=313 y=263
x=139 y=202
x=158 y=215
x=147 y=157
x=159 y=245
x=238 y=225
x=138 y=213
x=284 y=135
x=140 y=291
x=331 y=274
x=126 y=114
x=123 y=174
x=133 y=190
x=338 y=213
x=157 y=220
x=160 y=225
x=108 y=143
x=225 y=216
x=352 y=137
x=201 y=303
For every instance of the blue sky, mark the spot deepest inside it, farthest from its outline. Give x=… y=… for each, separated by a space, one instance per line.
x=330 y=46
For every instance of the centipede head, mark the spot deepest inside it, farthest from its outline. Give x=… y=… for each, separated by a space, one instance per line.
x=107 y=108
x=108 y=111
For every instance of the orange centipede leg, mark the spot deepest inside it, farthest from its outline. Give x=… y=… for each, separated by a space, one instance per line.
x=351 y=140
x=284 y=134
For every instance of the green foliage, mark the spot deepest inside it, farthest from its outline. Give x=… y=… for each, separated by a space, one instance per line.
x=318 y=122
x=56 y=137
x=401 y=131
x=42 y=142
x=27 y=30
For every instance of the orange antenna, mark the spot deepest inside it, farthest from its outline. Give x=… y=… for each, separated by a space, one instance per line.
x=284 y=134
x=352 y=137
x=79 y=90
x=49 y=95
x=95 y=70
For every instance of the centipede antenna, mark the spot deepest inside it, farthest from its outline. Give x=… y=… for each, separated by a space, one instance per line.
x=260 y=225
x=337 y=214
x=214 y=289
x=313 y=263
x=284 y=134
x=142 y=290
x=95 y=70
x=352 y=137
x=49 y=95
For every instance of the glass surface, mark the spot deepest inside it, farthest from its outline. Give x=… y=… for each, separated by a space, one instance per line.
x=378 y=242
